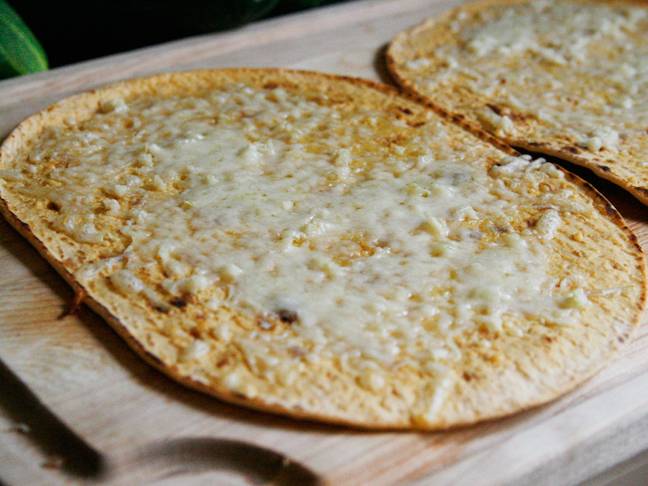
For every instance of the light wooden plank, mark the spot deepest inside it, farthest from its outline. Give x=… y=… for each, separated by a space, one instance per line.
x=85 y=374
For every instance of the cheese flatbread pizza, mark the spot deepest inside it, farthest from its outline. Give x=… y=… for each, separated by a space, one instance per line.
x=323 y=247
x=562 y=77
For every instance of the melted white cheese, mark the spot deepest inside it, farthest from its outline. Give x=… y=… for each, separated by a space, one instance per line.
x=544 y=58
x=372 y=251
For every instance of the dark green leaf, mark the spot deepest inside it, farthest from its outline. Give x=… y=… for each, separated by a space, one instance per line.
x=20 y=51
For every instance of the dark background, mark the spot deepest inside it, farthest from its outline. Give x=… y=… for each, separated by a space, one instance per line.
x=76 y=30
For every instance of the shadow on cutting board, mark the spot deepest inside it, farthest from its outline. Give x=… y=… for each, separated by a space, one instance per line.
x=72 y=455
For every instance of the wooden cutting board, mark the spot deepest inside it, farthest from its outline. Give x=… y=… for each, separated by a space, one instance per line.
x=88 y=377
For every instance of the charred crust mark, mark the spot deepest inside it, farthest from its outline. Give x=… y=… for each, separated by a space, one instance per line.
x=533 y=144
x=53 y=206
x=517 y=116
x=288 y=316
x=504 y=111
x=621 y=339
x=497 y=109
x=416 y=124
x=467 y=376
x=179 y=302
x=458 y=117
x=604 y=168
x=407 y=111
x=642 y=190
x=437 y=109
x=572 y=149
x=223 y=362
x=271 y=85
x=547 y=339
x=161 y=308
x=611 y=210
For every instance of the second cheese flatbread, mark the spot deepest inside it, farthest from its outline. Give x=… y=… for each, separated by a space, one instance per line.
x=565 y=78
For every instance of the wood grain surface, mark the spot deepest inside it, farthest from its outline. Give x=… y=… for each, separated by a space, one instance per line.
x=151 y=431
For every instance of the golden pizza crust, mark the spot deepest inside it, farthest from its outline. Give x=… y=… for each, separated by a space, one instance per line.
x=498 y=372
x=592 y=79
